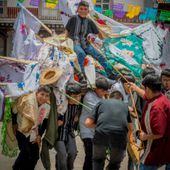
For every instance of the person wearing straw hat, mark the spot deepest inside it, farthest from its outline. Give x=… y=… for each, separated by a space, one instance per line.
x=78 y=28
x=112 y=123
x=30 y=114
x=91 y=98
x=66 y=145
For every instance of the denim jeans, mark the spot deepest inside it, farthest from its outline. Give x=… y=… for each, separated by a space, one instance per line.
x=148 y=167
x=167 y=167
x=81 y=54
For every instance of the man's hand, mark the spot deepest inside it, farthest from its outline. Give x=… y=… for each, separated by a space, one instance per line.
x=134 y=87
x=37 y=140
x=143 y=136
x=60 y=122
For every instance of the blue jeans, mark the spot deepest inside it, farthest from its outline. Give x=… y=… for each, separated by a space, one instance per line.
x=81 y=54
x=148 y=167
x=167 y=167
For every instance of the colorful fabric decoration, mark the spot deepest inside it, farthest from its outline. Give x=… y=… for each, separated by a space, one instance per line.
x=51 y=3
x=108 y=26
x=130 y=46
x=98 y=9
x=150 y=14
x=152 y=44
x=2 y=104
x=116 y=56
x=164 y=15
x=35 y=3
x=94 y=2
x=133 y=11
x=108 y=13
x=118 y=10
x=20 y=78
x=21 y=1
x=9 y=148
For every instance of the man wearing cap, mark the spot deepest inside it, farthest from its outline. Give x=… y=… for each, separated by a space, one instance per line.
x=66 y=144
x=78 y=28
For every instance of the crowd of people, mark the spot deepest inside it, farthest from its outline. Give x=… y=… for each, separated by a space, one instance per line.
x=110 y=116
x=106 y=122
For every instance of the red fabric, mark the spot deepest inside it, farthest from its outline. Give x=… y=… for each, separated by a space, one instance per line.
x=160 y=125
x=86 y=61
x=76 y=77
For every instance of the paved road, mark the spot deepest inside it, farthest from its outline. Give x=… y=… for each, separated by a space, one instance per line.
x=6 y=163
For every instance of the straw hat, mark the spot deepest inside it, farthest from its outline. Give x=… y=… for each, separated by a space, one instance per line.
x=50 y=76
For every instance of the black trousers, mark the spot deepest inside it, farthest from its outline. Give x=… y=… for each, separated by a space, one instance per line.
x=88 y=148
x=29 y=153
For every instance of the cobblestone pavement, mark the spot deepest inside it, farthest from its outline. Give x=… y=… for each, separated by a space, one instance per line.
x=6 y=163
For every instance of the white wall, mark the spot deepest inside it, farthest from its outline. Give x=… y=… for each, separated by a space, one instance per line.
x=134 y=2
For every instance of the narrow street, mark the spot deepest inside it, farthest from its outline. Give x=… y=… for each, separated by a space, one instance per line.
x=6 y=162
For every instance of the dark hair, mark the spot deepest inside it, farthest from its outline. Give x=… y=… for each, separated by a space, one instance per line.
x=45 y=89
x=165 y=72
x=73 y=88
x=147 y=71
x=102 y=83
x=152 y=82
x=83 y=3
x=116 y=95
x=130 y=78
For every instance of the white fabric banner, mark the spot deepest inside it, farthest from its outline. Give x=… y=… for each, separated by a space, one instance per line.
x=20 y=78
x=153 y=43
x=25 y=44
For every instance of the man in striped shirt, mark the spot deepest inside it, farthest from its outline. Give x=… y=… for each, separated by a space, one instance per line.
x=66 y=144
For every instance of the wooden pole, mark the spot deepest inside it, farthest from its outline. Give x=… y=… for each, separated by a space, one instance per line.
x=17 y=60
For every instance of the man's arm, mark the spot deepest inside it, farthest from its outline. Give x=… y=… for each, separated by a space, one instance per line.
x=144 y=136
x=137 y=89
x=89 y=123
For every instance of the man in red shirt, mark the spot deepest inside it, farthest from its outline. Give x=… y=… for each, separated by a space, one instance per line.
x=155 y=124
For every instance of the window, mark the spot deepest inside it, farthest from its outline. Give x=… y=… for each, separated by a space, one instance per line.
x=105 y=7
x=104 y=4
x=1 y=7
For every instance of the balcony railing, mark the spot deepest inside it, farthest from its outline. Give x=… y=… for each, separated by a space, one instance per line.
x=43 y=14
x=12 y=12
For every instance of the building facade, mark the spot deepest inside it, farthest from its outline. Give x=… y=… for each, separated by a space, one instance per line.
x=8 y=14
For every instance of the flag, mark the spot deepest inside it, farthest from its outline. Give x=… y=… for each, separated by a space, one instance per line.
x=51 y=3
x=24 y=25
x=21 y=1
x=35 y=3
